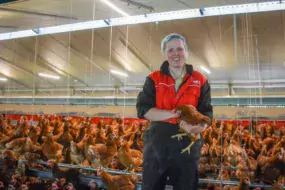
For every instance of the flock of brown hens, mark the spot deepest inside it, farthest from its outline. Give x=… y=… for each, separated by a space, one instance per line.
x=81 y=142
x=254 y=153
x=249 y=155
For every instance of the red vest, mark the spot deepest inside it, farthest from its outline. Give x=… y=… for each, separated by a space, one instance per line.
x=188 y=93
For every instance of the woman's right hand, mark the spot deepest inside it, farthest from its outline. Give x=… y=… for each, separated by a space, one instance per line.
x=175 y=113
x=155 y=114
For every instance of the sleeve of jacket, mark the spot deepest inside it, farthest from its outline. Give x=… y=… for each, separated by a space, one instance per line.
x=204 y=103
x=146 y=98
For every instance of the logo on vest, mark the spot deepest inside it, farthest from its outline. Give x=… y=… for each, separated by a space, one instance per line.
x=196 y=82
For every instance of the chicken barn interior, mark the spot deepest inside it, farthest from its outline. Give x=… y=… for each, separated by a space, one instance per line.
x=72 y=67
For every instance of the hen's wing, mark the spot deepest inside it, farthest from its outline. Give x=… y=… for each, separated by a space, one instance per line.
x=135 y=153
x=122 y=180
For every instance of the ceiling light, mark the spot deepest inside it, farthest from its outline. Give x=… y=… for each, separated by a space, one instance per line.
x=109 y=97
x=49 y=76
x=205 y=69
x=219 y=86
x=115 y=8
x=247 y=86
x=244 y=8
x=3 y=79
x=6 y=72
x=155 y=17
x=73 y=27
x=119 y=73
x=19 y=34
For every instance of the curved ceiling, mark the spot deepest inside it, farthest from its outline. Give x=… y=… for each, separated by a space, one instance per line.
x=245 y=53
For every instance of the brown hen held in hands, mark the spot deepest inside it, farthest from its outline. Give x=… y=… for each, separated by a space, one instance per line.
x=191 y=116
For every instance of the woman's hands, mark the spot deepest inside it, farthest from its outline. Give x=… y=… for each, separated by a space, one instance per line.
x=175 y=114
x=155 y=114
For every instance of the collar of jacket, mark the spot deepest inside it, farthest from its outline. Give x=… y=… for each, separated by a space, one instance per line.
x=164 y=68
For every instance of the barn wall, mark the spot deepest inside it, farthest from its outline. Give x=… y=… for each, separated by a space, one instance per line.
x=130 y=111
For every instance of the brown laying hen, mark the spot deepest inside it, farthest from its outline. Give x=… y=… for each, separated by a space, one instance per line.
x=102 y=154
x=191 y=116
x=130 y=158
x=117 y=182
x=52 y=149
x=70 y=174
x=243 y=185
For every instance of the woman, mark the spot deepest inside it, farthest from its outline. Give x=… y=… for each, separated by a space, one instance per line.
x=174 y=84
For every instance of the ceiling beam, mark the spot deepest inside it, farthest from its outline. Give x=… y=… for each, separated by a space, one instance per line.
x=15 y=81
x=184 y=3
x=7 y=62
x=139 y=5
x=210 y=37
x=50 y=65
x=132 y=44
x=66 y=73
x=87 y=59
x=133 y=50
x=36 y=13
x=8 y=27
x=21 y=54
x=112 y=47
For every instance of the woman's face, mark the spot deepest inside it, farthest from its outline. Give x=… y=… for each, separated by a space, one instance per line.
x=175 y=53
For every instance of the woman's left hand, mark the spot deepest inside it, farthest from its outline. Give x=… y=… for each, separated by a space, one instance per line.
x=196 y=129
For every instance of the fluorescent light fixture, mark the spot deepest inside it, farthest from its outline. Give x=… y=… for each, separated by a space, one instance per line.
x=155 y=17
x=5 y=72
x=205 y=69
x=219 y=86
x=103 y=89
x=49 y=76
x=247 y=86
x=109 y=97
x=3 y=79
x=123 y=91
x=152 y=17
x=119 y=73
x=19 y=34
x=115 y=8
x=248 y=81
x=244 y=8
x=73 y=27
x=260 y=86
x=130 y=88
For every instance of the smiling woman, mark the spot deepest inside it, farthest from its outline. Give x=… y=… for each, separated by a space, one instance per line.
x=74 y=69
x=173 y=85
x=176 y=52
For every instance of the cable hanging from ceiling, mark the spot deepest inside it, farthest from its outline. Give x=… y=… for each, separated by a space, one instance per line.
x=69 y=91
x=89 y=67
x=109 y=65
x=126 y=78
